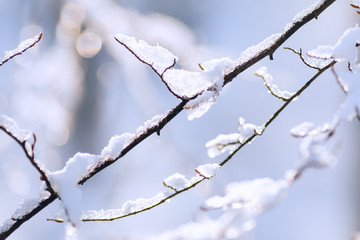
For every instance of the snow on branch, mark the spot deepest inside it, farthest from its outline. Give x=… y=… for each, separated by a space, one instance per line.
x=347 y=69
x=179 y=183
x=201 y=87
x=315 y=63
x=268 y=46
x=23 y=46
x=239 y=206
x=157 y=57
x=247 y=59
x=228 y=143
x=271 y=86
x=22 y=137
x=175 y=184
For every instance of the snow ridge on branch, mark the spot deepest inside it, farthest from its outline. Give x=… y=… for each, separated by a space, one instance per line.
x=23 y=46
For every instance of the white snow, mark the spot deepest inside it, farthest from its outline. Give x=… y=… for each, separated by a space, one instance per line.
x=343 y=50
x=158 y=57
x=257 y=195
x=350 y=82
x=255 y=50
x=13 y=128
x=176 y=182
x=127 y=208
x=302 y=130
x=207 y=170
x=203 y=85
x=269 y=82
x=185 y=84
x=347 y=69
x=28 y=205
x=222 y=143
x=116 y=145
x=213 y=75
x=229 y=142
x=154 y=121
x=313 y=148
x=64 y=182
x=246 y=130
x=23 y=46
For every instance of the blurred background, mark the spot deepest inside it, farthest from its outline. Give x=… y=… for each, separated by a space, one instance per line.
x=78 y=87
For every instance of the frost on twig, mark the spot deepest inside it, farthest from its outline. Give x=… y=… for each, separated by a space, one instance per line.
x=271 y=86
x=23 y=46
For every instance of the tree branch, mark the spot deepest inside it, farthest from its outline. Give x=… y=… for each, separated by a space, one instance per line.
x=269 y=49
x=265 y=50
x=23 y=46
x=195 y=183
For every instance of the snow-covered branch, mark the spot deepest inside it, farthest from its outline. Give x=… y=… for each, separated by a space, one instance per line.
x=23 y=138
x=205 y=86
x=178 y=183
x=23 y=46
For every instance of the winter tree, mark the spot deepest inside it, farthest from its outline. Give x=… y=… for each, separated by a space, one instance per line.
x=179 y=120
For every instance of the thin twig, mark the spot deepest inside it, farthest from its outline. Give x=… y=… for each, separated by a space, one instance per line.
x=269 y=50
x=302 y=58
